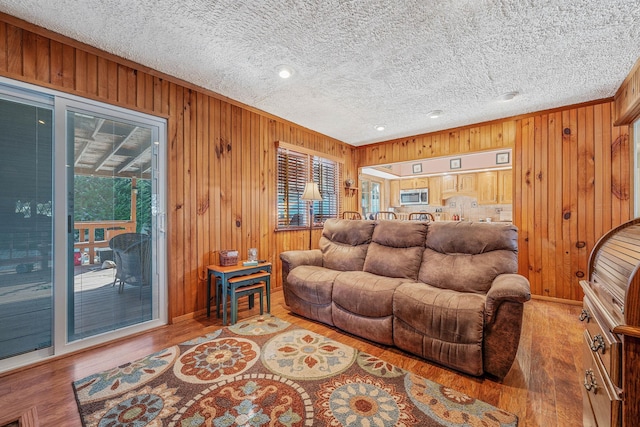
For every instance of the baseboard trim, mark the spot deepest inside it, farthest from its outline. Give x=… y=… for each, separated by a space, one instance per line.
x=558 y=300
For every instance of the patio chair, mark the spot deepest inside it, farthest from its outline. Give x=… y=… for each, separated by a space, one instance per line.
x=132 y=253
x=351 y=215
x=386 y=215
x=421 y=216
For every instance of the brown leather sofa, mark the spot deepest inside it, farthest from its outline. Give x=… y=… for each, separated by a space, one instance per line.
x=445 y=291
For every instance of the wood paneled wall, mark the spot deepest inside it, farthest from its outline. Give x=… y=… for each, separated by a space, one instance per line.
x=221 y=154
x=572 y=166
x=627 y=106
x=572 y=181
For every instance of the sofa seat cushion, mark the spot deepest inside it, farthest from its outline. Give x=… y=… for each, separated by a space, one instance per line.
x=308 y=292
x=363 y=305
x=364 y=293
x=441 y=325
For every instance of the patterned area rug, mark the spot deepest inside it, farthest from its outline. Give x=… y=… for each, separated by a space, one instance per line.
x=267 y=372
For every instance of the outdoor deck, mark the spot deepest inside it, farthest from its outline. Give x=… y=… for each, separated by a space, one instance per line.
x=25 y=306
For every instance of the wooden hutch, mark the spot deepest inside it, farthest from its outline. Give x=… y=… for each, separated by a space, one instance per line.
x=611 y=314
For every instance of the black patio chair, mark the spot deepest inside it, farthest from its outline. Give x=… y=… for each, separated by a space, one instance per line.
x=132 y=255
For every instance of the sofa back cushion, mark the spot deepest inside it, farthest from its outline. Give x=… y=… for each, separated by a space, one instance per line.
x=344 y=243
x=466 y=257
x=396 y=249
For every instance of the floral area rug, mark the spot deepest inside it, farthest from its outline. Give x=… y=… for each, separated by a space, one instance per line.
x=267 y=372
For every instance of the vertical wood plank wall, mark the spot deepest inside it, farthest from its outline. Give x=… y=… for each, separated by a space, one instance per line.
x=221 y=155
x=572 y=174
x=627 y=99
x=572 y=182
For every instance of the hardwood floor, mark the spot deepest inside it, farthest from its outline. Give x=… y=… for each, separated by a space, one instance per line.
x=543 y=387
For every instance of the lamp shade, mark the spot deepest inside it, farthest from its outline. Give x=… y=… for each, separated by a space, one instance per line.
x=311 y=192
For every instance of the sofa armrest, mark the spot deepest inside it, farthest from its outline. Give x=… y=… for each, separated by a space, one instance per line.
x=292 y=259
x=506 y=287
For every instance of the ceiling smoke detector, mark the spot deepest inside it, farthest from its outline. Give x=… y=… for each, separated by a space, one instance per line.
x=507 y=96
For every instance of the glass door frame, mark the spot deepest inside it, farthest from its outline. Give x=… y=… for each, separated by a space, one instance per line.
x=62 y=257
x=23 y=95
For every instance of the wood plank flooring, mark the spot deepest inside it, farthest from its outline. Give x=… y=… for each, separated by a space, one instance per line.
x=543 y=388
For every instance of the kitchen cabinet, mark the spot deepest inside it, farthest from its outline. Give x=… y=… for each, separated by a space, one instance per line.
x=421 y=182
x=413 y=183
x=467 y=183
x=407 y=184
x=449 y=184
x=505 y=186
x=394 y=193
x=487 y=188
x=435 y=191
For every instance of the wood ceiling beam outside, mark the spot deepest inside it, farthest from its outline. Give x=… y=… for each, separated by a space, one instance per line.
x=108 y=155
x=87 y=142
x=133 y=161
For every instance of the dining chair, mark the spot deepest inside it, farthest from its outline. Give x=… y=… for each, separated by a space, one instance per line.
x=351 y=215
x=421 y=216
x=386 y=215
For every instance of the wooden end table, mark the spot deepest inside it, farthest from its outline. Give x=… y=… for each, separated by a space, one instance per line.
x=225 y=272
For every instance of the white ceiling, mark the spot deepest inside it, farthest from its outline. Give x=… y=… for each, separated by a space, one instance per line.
x=362 y=63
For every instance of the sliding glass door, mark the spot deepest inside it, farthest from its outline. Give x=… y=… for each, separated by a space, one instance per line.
x=82 y=243
x=111 y=244
x=26 y=234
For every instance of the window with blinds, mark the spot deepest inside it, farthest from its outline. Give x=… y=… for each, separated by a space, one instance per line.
x=294 y=171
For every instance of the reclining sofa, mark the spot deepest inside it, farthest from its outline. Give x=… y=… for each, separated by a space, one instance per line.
x=445 y=291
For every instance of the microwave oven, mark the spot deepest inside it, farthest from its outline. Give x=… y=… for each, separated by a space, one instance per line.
x=414 y=197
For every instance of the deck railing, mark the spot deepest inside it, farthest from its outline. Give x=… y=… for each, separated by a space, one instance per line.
x=87 y=231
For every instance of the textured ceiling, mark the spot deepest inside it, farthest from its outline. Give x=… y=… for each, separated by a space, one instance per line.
x=358 y=64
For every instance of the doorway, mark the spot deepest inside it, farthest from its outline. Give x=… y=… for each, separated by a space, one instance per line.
x=82 y=241
x=113 y=227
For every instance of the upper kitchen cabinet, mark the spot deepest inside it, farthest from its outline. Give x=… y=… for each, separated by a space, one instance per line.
x=505 y=186
x=407 y=184
x=435 y=191
x=449 y=184
x=413 y=183
x=487 y=188
x=422 y=182
x=468 y=183
x=394 y=193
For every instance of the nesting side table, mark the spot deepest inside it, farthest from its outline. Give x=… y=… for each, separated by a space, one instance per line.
x=222 y=274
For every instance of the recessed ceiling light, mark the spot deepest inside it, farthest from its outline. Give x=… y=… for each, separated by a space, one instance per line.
x=379 y=128
x=434 y=114
x=507 y=96
x=284 y=71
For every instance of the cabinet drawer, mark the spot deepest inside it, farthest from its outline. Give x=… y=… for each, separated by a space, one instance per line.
x=602 y=341
x=603 y=396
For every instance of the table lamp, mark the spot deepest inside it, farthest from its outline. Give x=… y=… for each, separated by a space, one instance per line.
x=311 y=193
